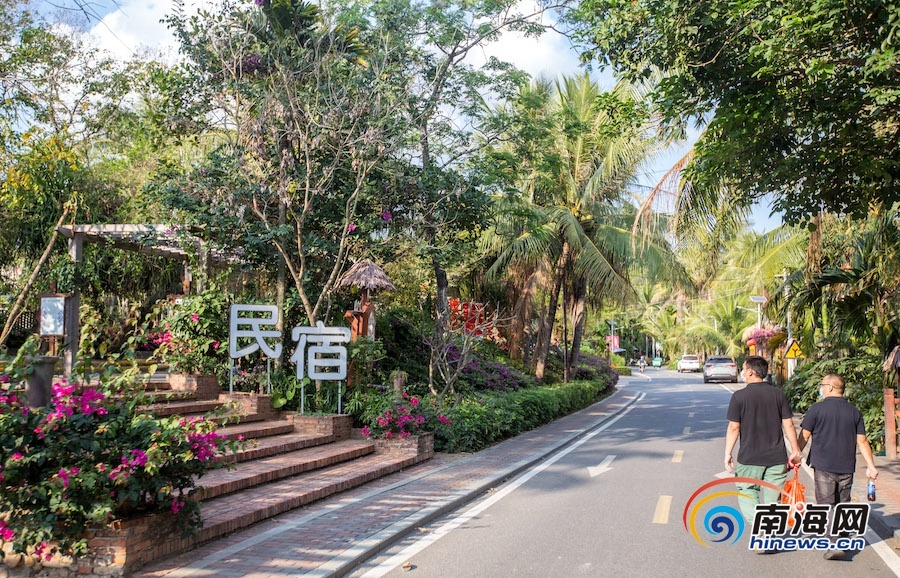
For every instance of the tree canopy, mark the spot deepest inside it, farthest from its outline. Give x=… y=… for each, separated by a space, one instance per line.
x=800 y=96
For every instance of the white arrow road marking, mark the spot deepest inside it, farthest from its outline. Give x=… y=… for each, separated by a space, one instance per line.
x=603 y=467
x=725 y=474
x=676 y=458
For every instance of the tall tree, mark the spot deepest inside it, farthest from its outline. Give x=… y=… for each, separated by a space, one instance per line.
x=800 y=96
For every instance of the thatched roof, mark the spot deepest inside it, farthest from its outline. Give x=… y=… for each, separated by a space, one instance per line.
x=366 y=275
x=893 y=360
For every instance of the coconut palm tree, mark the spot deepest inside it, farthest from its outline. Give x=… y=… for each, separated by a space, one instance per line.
x=571 y=222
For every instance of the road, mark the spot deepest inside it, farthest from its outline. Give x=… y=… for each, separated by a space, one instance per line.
x=611 y=504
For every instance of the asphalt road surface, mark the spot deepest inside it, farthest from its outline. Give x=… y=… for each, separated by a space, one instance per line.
x=611 y=505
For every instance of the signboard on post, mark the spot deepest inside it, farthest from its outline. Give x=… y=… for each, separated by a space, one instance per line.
x=52 y=316
x=793 y=351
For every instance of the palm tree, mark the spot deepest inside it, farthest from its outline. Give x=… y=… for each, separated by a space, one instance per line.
x=572 y=224
x=862 y=292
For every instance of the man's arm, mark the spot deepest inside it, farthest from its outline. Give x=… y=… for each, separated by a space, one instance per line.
x=803 y=438
x=731 y=438
x=787 y=425
x=866 y=450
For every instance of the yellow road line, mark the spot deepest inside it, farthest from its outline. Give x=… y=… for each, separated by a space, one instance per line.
x=677 y=457
x=661 y=515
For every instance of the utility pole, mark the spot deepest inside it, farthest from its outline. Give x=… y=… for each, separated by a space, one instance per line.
x=791 y=363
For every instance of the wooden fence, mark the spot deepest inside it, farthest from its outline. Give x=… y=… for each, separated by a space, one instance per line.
x=27 y=321
x=891 y=414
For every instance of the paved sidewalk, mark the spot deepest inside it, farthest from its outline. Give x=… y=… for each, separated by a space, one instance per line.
x=334 y=536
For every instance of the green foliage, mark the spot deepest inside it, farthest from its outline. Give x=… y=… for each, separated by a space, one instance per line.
x=90 y=458
x=799 y=94
x=865 y=381
x=485 y=418
x=198 y=329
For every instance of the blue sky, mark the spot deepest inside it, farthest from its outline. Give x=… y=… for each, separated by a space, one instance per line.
x=130 y=26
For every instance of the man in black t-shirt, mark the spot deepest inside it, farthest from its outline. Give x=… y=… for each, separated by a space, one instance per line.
x=839 y=429
x=759 y=415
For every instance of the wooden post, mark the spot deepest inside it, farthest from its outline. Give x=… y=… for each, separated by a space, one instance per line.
x=73 y=310
x=890 y=424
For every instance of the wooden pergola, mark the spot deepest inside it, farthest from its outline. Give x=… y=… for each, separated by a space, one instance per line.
x=158 y=240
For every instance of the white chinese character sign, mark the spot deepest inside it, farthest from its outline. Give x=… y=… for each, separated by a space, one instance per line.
x=320 y=353
x=317 y=361
x=238 y=330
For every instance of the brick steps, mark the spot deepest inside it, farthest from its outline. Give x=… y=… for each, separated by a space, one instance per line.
x=285 y=462
x=235 y=511
x=276 y=444
x=257 y=429
x=179 y=406
x=265 y=470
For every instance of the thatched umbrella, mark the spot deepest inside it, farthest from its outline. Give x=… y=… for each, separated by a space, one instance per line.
x=366 y=276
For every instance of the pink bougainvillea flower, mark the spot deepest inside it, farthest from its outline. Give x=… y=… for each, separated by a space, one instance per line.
x=351 y=227
x=42 y=551
x=6 y=533
x=176 y=505
x=366 y=432
x=16 y=457
x=195 y=317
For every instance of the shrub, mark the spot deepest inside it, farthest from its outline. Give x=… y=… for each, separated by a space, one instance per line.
x=482 y=419
x=386 y=416
x=197 y=340
x=89 y=458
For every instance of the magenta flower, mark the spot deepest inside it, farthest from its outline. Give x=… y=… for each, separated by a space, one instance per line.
x=366 y=432
x=6 y=533
x=351 y=227
x=176 y=505
x=386 y=215
x=195 y=317
x=16 y=457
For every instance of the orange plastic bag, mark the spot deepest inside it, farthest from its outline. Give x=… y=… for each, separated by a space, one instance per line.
x=796 y=494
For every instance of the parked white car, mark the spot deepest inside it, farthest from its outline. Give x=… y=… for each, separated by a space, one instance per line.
x=689 y=363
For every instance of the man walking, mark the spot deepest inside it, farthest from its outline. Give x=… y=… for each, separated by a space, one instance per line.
x=759 y=415
x=839 y=430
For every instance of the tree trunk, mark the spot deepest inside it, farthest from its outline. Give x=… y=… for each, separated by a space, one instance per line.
x=280 y=283
x=17 y=306
x=441 y=319
x=543 y=346
x=524 y=300
x=578 y=296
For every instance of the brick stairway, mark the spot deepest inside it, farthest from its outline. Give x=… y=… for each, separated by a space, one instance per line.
x=287 y=460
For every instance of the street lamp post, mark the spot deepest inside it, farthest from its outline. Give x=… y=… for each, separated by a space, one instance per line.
x=760 y=301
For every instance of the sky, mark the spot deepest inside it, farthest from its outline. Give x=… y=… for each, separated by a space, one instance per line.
x=127 y=27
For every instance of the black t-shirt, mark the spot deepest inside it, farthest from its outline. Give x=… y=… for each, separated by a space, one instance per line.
x=759 y=408
x=834 y=424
